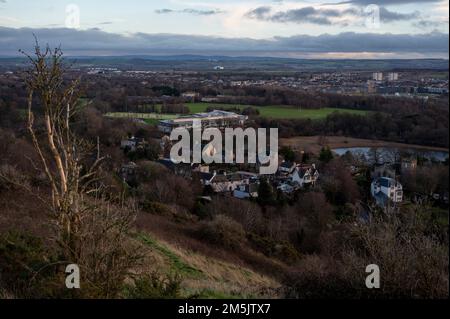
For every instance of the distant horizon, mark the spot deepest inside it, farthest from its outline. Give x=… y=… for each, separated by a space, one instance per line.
x=199 y=55
x=348 y=45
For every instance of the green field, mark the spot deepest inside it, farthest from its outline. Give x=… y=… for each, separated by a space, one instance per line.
x=277 y=112
x=271 y=111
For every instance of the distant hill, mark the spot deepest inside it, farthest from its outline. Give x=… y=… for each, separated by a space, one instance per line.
x=202 y=63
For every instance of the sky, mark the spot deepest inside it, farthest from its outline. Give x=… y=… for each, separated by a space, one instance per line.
x=293 y=28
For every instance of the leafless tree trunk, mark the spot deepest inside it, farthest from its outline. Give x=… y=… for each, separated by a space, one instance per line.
x=90 y=231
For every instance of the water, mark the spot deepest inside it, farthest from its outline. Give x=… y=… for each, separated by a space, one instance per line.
x=391 y=154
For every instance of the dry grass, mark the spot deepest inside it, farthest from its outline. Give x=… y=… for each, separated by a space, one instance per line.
x=204 y=276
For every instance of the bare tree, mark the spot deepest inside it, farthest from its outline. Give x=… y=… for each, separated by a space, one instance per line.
x=90 y=231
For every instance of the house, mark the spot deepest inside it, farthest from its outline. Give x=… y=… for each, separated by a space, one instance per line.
x=287 y=187
x=385 y=190
x=181 y=169
x=246 y=191
x=305 y=175
x=222 y=183
x=132 y=143
x=190 y=96
x=408 y=165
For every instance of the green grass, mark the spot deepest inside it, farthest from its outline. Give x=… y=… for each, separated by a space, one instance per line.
x=177 y=265
x=271 y=111
x=277 y=111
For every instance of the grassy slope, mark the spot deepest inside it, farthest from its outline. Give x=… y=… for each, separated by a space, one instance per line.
x=203 y=276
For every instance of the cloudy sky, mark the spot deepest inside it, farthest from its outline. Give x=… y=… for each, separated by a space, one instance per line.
x=297 y=28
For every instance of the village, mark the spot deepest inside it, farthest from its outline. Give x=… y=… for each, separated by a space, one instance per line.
x=243 y=181
x=228 y=179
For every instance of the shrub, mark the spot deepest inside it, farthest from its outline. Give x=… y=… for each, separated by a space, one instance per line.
x=223 y=231
x=326 y=155
x=155 y=286
x=27 y=268
x=201 y=210
x=156 y=208
x=282 y=250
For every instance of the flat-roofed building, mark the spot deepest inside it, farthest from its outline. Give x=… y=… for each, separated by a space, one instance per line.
x=217 y=118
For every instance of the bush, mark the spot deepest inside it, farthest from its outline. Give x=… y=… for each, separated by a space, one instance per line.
x=201 y=210
x=156 y=208
x=223 y=231
x=326 y=155
x=27 y=268
x=282 y=250
x=288 y=153
x=155 y=286
x=318 y=278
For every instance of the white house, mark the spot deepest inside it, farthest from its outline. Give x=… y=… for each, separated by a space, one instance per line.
x=305 y=176
x=385 y=189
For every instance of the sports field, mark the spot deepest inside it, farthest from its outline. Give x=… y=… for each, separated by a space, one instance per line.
x=276 y=112
x=271 y=111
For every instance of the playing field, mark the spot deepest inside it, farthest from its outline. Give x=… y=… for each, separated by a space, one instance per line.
x=276 y=112
x=272 y=111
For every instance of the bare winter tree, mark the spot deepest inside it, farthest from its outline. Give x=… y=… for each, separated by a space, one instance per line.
x=90 y=231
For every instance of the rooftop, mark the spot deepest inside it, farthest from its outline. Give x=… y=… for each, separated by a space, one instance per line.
x=211 y=116
x=387 y=182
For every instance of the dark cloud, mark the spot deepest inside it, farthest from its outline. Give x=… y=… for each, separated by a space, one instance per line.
x=421 y=24
x=97 y=42
x=324 y=16
x=260 y=13
x=391 y=16
x=302 y=15
x=189 y=11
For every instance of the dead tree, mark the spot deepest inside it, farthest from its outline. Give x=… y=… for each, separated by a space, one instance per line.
x=90 y=231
